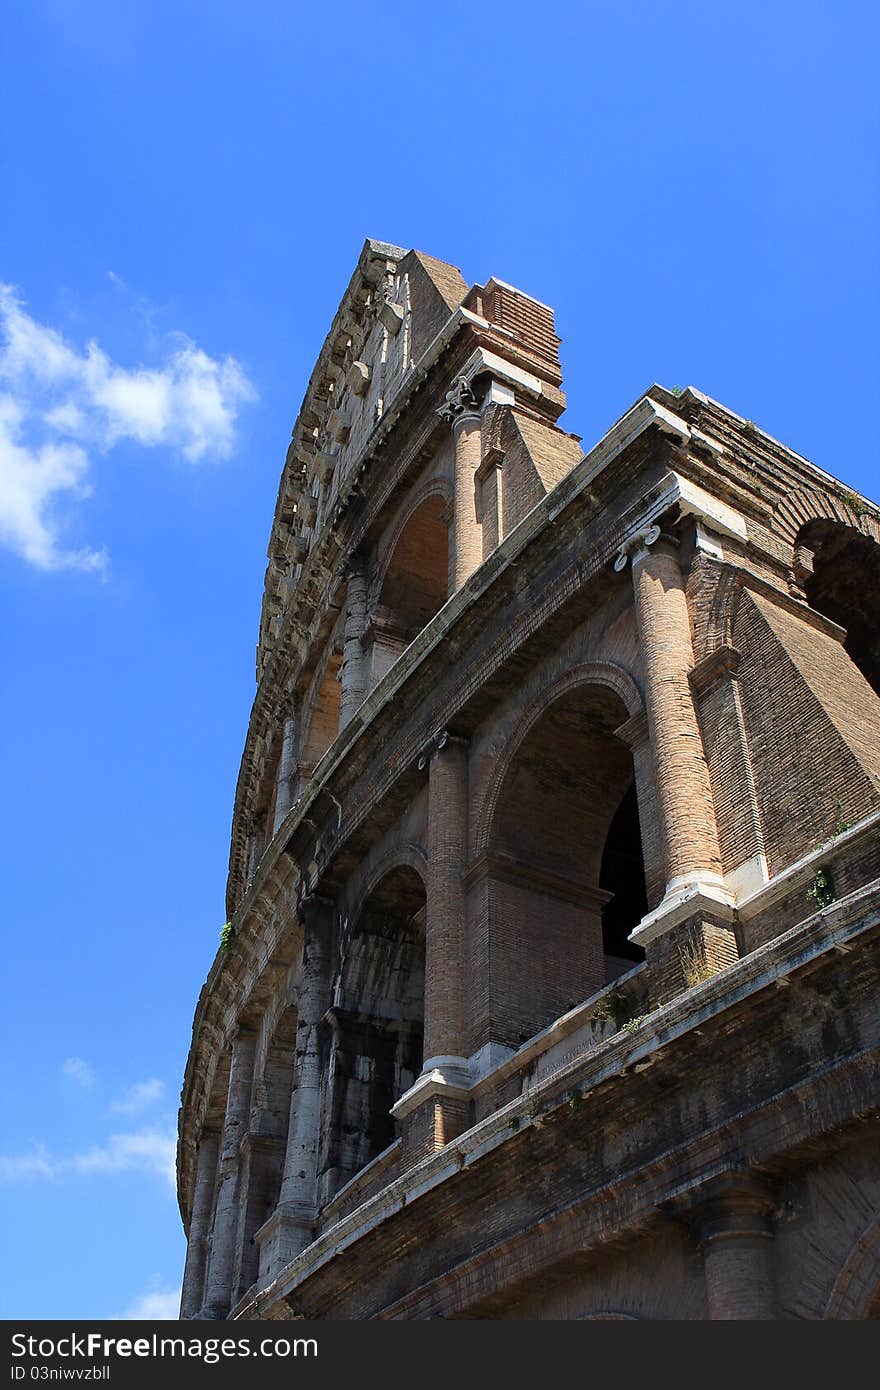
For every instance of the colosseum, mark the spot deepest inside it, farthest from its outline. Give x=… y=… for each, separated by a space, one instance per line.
x=549 y=988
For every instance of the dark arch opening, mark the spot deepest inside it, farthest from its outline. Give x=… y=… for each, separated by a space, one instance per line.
x=323 y=725
x=623 y=876
x=564 y=875
x=263 y=1163
x=377 y=1024
x=415 y=586
x=840 y=569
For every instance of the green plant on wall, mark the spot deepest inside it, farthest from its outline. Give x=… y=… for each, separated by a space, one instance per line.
x=615 y=1007
x=227 y=935
x=855 y=503
x=822 y=889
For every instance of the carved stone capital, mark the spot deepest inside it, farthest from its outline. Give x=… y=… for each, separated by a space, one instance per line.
x=437 y=741
x=459 y=403
x=635 y=545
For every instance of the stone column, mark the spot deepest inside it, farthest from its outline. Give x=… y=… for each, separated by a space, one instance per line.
x=193 y=1292
x=218 y=1291
x=445 y=916
x=690 y=934
x=736 y=1239
x=291 y=1226
x=461 y=410
x=687 y=815
x=436 y=1109
x=286 y=771
x=353 y=676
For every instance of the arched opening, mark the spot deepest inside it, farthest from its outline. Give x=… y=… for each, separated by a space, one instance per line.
x=377 y=1025
x=562 y=884
x=840 y=571
x=623 y=876
x=323 y=724
x=263 y=1147
x=414 y=587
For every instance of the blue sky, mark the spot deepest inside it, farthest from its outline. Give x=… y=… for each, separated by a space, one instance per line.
x=186 y=188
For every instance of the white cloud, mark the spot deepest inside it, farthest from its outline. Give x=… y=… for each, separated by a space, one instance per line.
x=149 y=1151
x=139 y=1097
x=157 y=1306
x=58 y=405
x=36 y=1164
x=75 y=1069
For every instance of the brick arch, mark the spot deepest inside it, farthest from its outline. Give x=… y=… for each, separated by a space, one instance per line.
x=401 y=857
x=324 y=701
x=378 y=996
x=837 y=568
x=601 y=673
x=796 y=511
x=434 y=487
x=856 y=1292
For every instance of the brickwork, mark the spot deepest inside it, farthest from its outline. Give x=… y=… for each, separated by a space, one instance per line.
x=555 y=868
x=445 y=984
x=684 y=794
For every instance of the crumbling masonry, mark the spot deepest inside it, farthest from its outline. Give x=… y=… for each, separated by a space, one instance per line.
x=552 y=982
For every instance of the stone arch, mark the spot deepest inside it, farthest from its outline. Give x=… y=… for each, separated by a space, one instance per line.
x=262 y=1153
x=808 y=504
x=321 y=715
x=376 y=1023
x=603 y=673
x=412 y=582
x=838 y=567
x=558 y=882
x=402 y=856
x=856 y=1292
x=435 y=487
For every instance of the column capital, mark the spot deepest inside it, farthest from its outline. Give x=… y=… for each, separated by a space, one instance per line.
x=635 y=547
x=354 y=568
x=733 y=1203
x=436 y=742
x=313 y=903
x=459 y=404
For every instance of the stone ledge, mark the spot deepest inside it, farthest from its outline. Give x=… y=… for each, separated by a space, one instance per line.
x=835 y=928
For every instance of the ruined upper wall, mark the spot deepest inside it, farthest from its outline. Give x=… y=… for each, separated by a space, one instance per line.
x=398 y=313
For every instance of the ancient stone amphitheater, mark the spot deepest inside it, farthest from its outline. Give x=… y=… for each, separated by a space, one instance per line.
x=550 y=988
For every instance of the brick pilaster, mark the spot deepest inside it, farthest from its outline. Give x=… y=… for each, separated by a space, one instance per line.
x=684 y=795
x=445 y=1021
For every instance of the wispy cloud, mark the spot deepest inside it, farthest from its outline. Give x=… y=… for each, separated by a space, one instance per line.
x=139 y=1097
x=146 y=1151
x=59 y=405
x=79 y=1071
x=36 y=1164
x=159 y=1305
